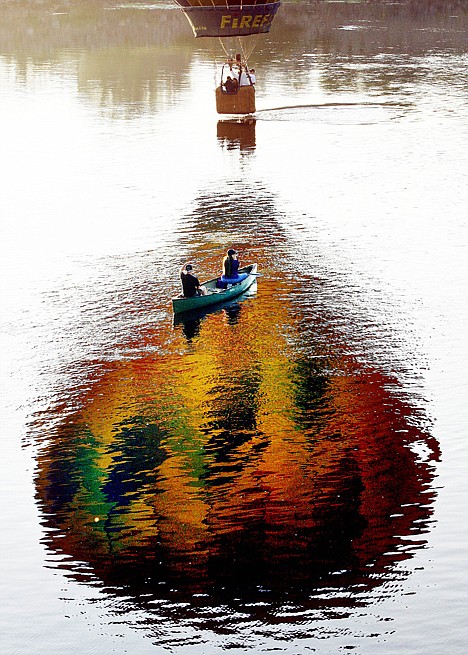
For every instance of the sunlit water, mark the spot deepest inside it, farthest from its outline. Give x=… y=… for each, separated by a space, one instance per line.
x=286 y=473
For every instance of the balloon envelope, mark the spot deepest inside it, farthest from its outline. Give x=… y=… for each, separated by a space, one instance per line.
x=229 y=19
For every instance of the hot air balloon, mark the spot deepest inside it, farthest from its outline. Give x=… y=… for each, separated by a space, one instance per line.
x=227 y=19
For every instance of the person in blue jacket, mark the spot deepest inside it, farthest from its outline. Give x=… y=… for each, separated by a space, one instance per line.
x=231 y=273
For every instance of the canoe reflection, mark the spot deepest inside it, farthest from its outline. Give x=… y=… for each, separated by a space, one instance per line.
x=190 y=322
x=237 y=468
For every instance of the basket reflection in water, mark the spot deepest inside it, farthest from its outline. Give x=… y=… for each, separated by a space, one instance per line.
x=237 y=468
x=237 y=133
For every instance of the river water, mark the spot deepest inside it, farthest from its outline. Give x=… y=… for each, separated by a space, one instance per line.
x=283 y=474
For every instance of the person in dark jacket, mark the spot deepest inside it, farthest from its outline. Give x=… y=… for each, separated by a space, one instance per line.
x=190 y=283
x=230 y=85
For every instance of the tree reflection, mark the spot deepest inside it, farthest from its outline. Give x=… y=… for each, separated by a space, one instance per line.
x=252 y=459
x=134 y=59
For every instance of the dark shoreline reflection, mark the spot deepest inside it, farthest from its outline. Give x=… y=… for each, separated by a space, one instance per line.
x=136 y=60
x=255 y=462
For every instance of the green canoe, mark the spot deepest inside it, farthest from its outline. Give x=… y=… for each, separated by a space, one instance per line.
x=214 y=295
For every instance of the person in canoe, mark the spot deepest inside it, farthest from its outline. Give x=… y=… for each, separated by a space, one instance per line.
x=231 y=273
x=190 y=283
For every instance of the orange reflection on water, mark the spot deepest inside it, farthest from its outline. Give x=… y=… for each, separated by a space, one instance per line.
x=236 y=461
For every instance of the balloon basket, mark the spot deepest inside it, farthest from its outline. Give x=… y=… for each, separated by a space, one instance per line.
x=242 y=102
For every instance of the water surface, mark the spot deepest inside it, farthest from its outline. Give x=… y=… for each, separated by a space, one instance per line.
x=283 y=473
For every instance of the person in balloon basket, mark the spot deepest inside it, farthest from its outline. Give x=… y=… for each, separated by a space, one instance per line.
x=245 y=78
x=230 y=85
x=190 y=284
